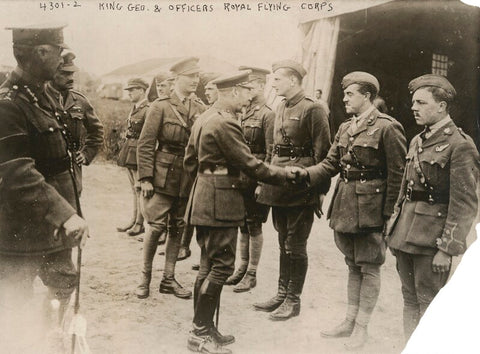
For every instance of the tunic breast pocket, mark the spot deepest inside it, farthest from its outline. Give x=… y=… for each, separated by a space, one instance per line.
x=366 y=151
x=435 y=167
x=174 y=132
x=228 y=200
x=49 y=142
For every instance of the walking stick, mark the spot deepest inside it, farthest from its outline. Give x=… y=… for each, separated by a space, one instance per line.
x=76 y=306
x=218 y=311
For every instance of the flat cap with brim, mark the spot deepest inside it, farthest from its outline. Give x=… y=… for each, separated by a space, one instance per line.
x=38 y=35
x=68 y=65
x=161 y=77
x=136 y=83
x=290 y=64
x=206 y=78
x=257 y=73
x=360 y=77
x=186 y=66
x=432 y=80
x=238 y=78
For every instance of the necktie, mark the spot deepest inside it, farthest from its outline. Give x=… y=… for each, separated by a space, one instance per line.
x=423 y=135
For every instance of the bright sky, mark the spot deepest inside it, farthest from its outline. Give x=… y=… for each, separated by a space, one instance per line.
x=104 y=40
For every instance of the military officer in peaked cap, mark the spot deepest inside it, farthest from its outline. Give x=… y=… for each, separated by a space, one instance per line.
x=211 y=92
x=39 y=220
x=83 y=125
x=216 y=205
x=127 y=156
x=257 y=125
x=301 y=138
x=369 y=153
x=165 y=186
x=437 y=202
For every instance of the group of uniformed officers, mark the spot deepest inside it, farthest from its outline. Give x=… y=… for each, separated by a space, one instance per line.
x=220 y=167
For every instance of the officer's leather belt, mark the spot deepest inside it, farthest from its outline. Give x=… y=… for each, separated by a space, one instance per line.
x=424 y=196
x=52 y=167
x=218 y=170
x=256 y=149
x=292 y=151
x=173 y=149
x=132 y=135
x=362 y=175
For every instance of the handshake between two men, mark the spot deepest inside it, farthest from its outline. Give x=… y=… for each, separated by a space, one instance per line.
x=296 y=174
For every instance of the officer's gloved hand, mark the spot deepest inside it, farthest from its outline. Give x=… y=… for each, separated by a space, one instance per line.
x=147 y=188
x=441 y=262
x=296 y=175
x=76 y=229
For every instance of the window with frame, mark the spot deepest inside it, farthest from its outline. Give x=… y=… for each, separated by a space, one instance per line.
x=440 y=64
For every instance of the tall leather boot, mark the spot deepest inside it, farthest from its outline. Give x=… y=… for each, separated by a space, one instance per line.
x=244 y=256
x=149 y=249
x=185 y=252
x=291 y=306
x=283 y=279
x=196 y=291
x=208 y=298
x=168 y=284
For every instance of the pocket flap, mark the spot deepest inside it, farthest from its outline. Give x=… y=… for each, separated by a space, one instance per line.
x=226 y=183
x=438 y=210
x=371 y=187
x=164 y=158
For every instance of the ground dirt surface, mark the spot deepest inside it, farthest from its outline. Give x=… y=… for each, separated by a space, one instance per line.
x=119 y=322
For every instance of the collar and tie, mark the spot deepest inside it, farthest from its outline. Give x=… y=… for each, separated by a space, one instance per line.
x=425 y=134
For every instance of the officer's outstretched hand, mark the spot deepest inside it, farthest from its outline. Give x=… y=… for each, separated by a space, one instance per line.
x=441 y=262
x=76 y=228
x=147 y=188
x=296 y=175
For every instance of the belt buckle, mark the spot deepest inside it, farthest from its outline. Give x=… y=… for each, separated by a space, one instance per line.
x=293 y=156
x=363 y=180
x=431 y=201
x=408 y=195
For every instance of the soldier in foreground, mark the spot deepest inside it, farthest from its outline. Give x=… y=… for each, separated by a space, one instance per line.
x=437 y=203
x=215 y=205
x=84 y=127
x=39 y=224
x=165 y=186
x=301 y=138
x=127 y=157
x=369 y=153
x=257 y=126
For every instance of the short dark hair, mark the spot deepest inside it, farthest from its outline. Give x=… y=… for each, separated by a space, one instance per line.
x=364 y=87
x=439 y=94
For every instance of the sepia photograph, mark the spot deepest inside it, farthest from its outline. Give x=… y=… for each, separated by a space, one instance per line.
x=239 y=177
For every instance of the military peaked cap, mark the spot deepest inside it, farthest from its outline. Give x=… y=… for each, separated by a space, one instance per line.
x=68 y=63
x=160 y=77
x=38 y=35
x=186 y=66
x=239 y=78
x=136 y=83
x=257 y=73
